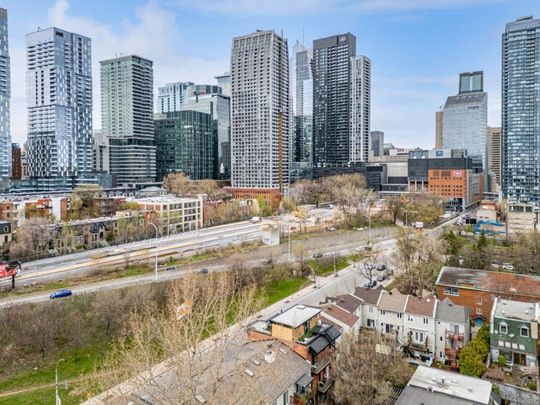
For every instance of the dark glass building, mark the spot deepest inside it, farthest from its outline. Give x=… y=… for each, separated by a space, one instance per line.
x=520 y=130
x=341 y=102
x=186 y=141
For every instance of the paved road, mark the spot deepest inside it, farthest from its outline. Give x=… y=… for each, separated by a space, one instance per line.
x=77 y=263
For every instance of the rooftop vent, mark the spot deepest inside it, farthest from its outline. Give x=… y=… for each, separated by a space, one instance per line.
x=269 y=356
x=301 y=307
x=255 y=361
x=513 y=290
x=249 y=372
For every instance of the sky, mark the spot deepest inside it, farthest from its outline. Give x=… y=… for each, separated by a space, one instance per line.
x=417 y=47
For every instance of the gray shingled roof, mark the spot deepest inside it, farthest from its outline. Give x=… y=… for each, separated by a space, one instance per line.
x=449 y=312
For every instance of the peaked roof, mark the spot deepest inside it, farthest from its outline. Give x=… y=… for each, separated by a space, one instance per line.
x=348 y=302
x=339 y=314
x=369 y=295
x=392 y=301
x=449 y=312
x=421 y=306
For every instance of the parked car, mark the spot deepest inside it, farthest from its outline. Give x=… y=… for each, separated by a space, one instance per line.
x=317 y=255
x=171 y=268
x=60 y=294
x=332 y=229
x=371 y=284
x=254 y=220
x=508 y=267
x=204 y=270
x=381 y=277
x=266 y=262
x=380 y=267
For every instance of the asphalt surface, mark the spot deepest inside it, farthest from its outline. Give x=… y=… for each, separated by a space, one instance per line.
x=349 y=278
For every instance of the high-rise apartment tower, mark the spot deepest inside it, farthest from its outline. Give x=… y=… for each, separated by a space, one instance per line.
x=520 y=129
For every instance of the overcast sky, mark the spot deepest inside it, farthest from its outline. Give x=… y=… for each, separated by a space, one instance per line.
x=417 y=47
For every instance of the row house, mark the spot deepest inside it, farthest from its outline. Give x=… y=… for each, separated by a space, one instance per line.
x=452 y=331
x=425 y=327
x=514 y=333
x=478 y=289
x=302 y=329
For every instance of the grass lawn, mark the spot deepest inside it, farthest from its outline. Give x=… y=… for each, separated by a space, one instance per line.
x=325 y=266
x=278 y=290
x=78 y=363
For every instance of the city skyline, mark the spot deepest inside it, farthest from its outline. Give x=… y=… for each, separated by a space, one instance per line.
x=404 y=82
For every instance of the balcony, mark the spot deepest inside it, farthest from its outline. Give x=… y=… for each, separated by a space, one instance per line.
x=454 y=335
x=320 y=365
x=324 y=386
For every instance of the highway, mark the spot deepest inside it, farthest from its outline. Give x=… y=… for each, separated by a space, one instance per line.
x=384 y=246
x=140 y=251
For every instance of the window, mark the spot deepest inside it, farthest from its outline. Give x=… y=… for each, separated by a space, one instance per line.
x=451 y=291
x=503 y=328
x=478 y=310
x=501 y=343
x=370 y=323
x=409 y=318
x=382 y=311
x=419 y=336
x=425 y=321
x=479 y=301
x=440 y=338
x=524 y=331
x=370 y=309
x=399 y=315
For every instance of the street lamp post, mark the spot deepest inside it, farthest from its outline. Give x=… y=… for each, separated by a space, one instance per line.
x=58 y=401
x=156 y=263
x=289 y=242
x=369 y=225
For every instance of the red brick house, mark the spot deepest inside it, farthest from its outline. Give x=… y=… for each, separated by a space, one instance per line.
x=477 y=289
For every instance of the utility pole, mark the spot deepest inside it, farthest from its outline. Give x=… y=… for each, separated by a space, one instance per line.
x=156 y=261
x=335 y=267
x=289 y=242
x=58 y=401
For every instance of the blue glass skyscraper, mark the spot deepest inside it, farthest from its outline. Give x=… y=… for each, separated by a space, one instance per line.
x=521 y=111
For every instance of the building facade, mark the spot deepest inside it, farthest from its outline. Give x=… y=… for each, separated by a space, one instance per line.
x=5 y=96
x=494 y=158
x=16 y=163
x=224 y=82
x=101 y=152
x=376 y=143
x=514 y=332
x=477 y=289
x=171 y=96
x=185 y=142
x=341 y=102
x=172 y=214
x=59 y=102
x=465 y=118
x=303 y=104
x=521 y=111
x=439 y=130
x=260 y=111
x=127 y=118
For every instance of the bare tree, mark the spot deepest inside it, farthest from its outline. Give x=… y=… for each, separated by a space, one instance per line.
x=369 y=265
x=367 y=366
x=32 y=239
x=417 y=259
x=173 y=354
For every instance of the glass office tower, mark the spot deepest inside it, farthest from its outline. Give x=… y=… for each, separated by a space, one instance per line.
x=5 y=94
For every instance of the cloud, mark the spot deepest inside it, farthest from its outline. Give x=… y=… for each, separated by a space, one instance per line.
x=242 y=8
x=148 y=34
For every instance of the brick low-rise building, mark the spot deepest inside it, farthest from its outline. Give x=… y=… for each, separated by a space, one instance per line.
x=477 y=289
x=302 y=329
